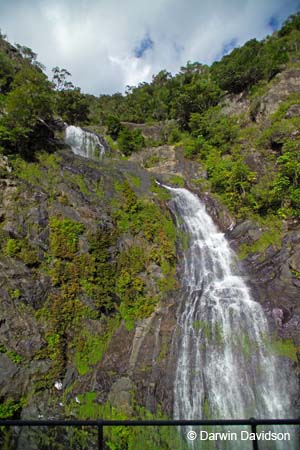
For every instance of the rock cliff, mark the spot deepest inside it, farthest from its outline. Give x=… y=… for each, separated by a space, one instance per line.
x=65 y=220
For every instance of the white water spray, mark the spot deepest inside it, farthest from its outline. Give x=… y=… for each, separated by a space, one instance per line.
x=84 y=143
x=225 y=369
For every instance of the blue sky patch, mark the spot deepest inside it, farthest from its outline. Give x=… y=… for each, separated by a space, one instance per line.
x=273 y=23
x=229 y=46
x=145 y=44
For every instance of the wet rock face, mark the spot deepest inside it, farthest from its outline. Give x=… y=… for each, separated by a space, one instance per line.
x=245 y=232
x=274 y=277
x=153 y=358
x=137 y=364
x=294 y=260
x=218 y=212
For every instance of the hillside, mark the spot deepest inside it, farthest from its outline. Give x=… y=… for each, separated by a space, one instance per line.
x=91 y=253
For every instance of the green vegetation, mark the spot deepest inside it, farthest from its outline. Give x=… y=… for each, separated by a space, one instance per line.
x=28 y=105
x=127 y=438
x=271 y=235
x=64 y=235
x=12 y=355
x=197 y=325
x=207 y=332
x=286 y=348
x=191 y=100
x=13 y=247
x=152 y=161
x=90 y=347
x=283 y=347
x=119 y=267
x=157 y=236
x=10 y=408
x=245 y=345
x=101 y=283
x=29 y=102
x=247 y=65
x=21 y=249
x=162 y=193
x=135 y=180
x=206 y=410
x=114 y=127
x=130 y=141
x=177 y=180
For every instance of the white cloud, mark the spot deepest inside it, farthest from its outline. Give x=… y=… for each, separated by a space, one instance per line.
x=95 y=39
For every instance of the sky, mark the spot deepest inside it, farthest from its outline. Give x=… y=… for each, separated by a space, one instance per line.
x=109 y=44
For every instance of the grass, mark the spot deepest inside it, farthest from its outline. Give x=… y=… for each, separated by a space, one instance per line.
x=161 y=193
x=129 y=438
x=177 y=181
x=284 y=348
x=135 y=180
x=92 y=347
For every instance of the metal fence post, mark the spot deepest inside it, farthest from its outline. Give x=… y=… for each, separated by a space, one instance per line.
x=253 y=430
x=100 y=434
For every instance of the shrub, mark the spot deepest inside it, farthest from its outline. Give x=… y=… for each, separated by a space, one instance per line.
x=130 y=141
x=64 y=235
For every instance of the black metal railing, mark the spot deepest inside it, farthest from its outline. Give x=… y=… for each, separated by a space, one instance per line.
x=101 y=423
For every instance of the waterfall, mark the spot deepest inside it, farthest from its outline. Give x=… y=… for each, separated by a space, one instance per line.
x=224 y=367
x=84 y=143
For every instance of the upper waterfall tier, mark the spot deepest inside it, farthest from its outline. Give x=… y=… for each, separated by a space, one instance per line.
x=84 y=143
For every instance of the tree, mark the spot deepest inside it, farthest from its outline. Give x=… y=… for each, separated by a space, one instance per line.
x=273 y=56
x=239 y=70
x=114 y=126
x=60 y=80
x=130 y=141
x=287 y=184
x=28 y=106
x=292 y=23
x=72 y=106
x=217 y=129
x=195 y=98
x=161 y=78
x=7 y=72
x=29 y=55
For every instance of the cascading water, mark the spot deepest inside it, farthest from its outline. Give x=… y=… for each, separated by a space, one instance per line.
x=224 y=368
x=84 y=143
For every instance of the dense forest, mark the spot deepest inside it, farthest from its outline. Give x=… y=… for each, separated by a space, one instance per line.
x=90 y=250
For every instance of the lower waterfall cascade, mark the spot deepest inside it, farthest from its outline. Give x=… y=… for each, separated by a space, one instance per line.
x=84 y=143
x=225 y=369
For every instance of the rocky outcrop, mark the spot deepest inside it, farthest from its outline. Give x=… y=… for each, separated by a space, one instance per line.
x=236 y=104
x=283 y=85
x=166 y=162
x=156 y=132
x=136 y=365
x=138 y=361
x=273 y=275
